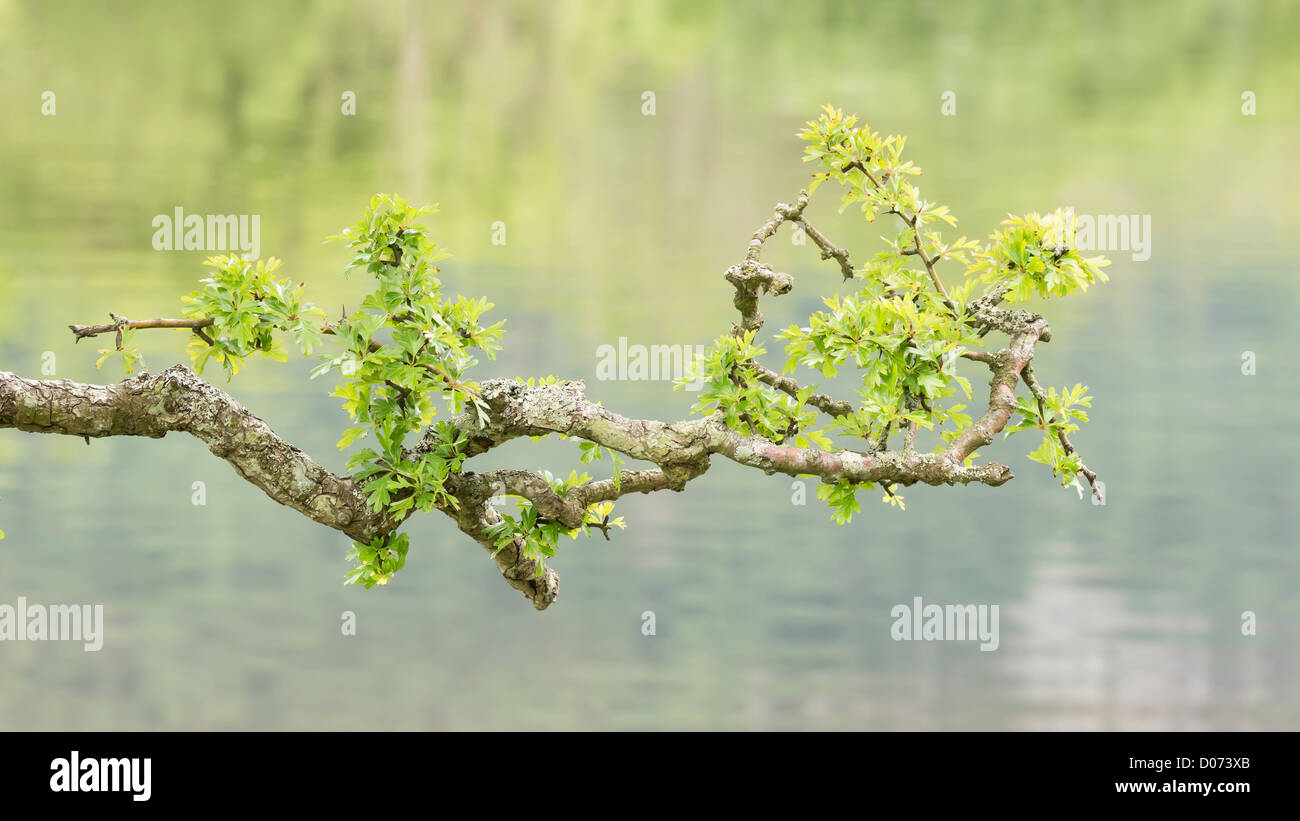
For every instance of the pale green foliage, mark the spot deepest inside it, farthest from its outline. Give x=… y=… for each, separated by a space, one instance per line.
x=842 y=498
x=731 y=389
x=406 y=350
x=541 y=535
x=1028 y=256
x=898 y=348
x=406 y=347
x=409 y=348
x=248 y=304
x=129 y=353
x=592 y=452
x=379 y=560
x=1055 y=416
x=899 y=331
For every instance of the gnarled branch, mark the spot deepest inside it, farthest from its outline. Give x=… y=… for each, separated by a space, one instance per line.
x=153 y=405
x=178 y=400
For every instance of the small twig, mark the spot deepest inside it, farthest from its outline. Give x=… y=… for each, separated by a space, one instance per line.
x=829 y=249
x=790 y=387
x=1031 y=382
x=981 y=356
x=83 y=331
x=882 y=440
x=916 y=249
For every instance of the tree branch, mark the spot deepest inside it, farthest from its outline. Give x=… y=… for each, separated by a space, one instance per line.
x=518 y=571
x=570 y=509
x=83 y=331
x=178 y=401
x=197 y=325
x=829 y=249
x=1036 y=389
x=787 y=385
x=682 y=449
x=1006 y=367
x=911 y=221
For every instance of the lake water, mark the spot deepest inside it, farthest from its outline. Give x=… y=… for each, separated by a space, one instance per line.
x=619 y=224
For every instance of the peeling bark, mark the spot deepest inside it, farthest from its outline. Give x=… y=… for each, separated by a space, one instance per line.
x=177 y=400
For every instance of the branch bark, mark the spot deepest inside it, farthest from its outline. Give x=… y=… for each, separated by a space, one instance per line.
x=177 y=400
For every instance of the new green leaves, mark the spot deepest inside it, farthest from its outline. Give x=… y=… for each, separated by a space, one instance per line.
x=1033 y=256
x=129 y=353
x=379 y=560
x=870 y=168
x=732 y=389
x=904 y=330
x=903 y=343
x=842 y=498
x=247 y=304
x=592 y=452
x=1027 y=256
x=407 y=344
x=1055 y=415
x=540 y=535
x=397 y=482
x=405 y=348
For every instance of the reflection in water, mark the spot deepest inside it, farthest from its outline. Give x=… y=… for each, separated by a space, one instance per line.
x=620 y=225
x=1084 y=659
x=1106 y=667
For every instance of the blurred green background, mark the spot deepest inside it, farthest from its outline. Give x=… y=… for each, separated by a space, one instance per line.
x=227 y=616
